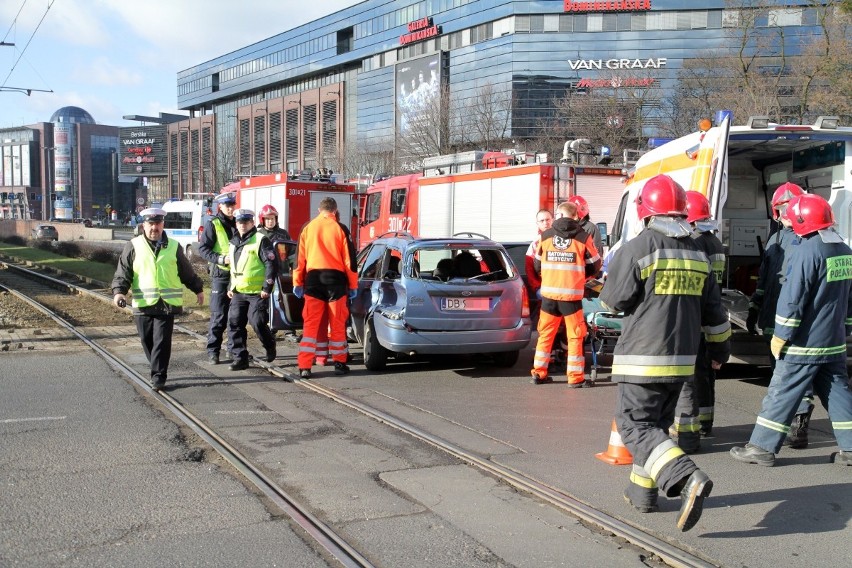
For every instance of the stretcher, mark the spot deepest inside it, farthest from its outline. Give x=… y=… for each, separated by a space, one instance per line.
x=604 y=330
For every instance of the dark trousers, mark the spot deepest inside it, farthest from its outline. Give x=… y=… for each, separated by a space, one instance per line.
x=643 y=415
x=156 y=335
x=219 y=305
x=252 y=309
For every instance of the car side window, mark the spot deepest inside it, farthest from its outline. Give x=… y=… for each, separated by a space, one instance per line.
x=372 y=262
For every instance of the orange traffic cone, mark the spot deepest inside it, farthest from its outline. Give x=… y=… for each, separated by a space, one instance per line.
x=616 y=453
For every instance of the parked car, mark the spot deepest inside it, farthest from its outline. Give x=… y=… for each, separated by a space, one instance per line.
x=285 y=309
x=436 y=296
x=518 y=252
x=45 y=232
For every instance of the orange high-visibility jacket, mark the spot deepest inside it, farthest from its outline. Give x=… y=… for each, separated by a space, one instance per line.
x=566 y=258
x=323 y=246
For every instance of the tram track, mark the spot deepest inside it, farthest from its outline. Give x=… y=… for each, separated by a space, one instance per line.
x=670 y=553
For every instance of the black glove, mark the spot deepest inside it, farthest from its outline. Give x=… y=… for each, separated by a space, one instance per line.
x=751 y=321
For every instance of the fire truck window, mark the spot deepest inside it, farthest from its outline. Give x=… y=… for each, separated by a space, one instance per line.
x=372 y=263
x=397 y=201
x=373 y=208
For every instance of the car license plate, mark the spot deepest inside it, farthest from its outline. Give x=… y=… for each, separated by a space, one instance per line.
x=464 y=304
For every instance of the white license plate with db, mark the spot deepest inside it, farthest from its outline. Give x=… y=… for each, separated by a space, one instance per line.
x=464 y=304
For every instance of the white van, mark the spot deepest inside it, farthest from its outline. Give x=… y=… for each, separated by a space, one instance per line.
x=184 y=221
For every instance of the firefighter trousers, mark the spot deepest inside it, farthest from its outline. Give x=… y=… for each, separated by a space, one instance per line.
x=220 y=304
x=548 y=328
x=643 y=415
x=312 y=314
x=807 y=402
x=249 y=309
x=789 y=383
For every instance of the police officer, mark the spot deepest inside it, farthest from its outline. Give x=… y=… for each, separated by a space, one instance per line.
x=324 y=276
x=252 y=262
x=586 y=221
x=155 y=270
x=565 y=258
x=665 y=287
x=761 y=312
x=215 y=238
x=813 y=318
x=695 y=405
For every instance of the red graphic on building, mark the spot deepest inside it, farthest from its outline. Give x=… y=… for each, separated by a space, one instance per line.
x=612 y=6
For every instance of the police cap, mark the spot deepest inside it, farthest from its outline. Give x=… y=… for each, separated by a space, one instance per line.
x=229 y=197
x=154 y=214
x=244 y=215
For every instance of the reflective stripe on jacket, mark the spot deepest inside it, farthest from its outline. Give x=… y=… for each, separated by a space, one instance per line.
x=814 y=310
x=715 y=251
x=249 y=271
x=663 y=285
x=155 y=277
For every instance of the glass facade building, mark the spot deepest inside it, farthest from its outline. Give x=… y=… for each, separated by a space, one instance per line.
x=339 y=82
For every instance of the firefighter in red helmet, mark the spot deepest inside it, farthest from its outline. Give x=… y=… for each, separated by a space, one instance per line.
x=663 y=283
x=267 y=225
x=696 y=403
x=812 y=321
x=761 y=312
x=585 y=221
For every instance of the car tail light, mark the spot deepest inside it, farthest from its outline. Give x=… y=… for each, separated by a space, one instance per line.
x=525 y=303
x=200 y=230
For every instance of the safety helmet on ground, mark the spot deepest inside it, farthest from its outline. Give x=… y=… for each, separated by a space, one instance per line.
x=582 y=206
x=808 y=213
x=697 y=207
x=661 y=195
x=782 y=196
x=267 y=211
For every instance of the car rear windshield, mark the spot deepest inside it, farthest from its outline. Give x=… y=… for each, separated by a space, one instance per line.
x=459 y=263
x=178 y=220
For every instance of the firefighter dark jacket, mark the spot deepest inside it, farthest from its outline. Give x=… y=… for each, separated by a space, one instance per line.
x=769 y=278
x=666 y=289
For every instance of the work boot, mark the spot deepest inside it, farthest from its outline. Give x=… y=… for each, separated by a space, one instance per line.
x=843 y=458
x=304 y=373
x=706 y=430
x=540 y=378
x=582 y=385
x=642 y=499
x=753 y=454
x=697 y=488
x=689 y=442
x=340 y=368
x=213 y=358
x=239 y=365
x=158 y=383
x=270 y=354
x=797 y=439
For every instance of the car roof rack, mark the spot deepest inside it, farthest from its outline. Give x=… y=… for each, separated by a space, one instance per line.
x=397 y=234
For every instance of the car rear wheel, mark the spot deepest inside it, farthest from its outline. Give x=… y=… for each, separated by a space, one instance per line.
x=506 y=358
x=375 y=356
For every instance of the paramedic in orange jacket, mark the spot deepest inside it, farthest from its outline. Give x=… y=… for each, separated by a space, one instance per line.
x=324 y=276
x=565 y=259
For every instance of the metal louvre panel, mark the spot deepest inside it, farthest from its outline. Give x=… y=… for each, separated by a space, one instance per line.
x=516 y=200
x=435 y=210
x=603 y=196
x=471 y=212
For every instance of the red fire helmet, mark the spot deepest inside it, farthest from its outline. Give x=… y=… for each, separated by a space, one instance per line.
x=661 y=195
x=697 y=207
x=782 y=196
x=582 y=206
x=266 y=211
x=808 y=213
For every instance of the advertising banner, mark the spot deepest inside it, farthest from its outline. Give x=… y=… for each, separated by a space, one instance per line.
x=143 y=151
x=418 y=91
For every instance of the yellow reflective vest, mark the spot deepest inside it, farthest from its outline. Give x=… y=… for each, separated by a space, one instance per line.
x=249 y=274
x=155 y=277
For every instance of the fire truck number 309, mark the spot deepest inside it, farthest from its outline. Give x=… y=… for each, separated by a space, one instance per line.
x=399 y=223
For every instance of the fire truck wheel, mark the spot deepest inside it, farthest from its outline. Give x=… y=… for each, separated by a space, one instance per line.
x=506 y=358
x=375 y=356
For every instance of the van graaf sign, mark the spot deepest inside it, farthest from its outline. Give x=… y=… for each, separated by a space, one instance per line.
x=419 y=30
x=143 y=151
x=615 y=64
x=612 y=6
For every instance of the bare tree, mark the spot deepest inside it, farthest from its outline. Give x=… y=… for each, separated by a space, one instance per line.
x=425 y=129
x=368 y=160
x=224 y=166
x=484 y=119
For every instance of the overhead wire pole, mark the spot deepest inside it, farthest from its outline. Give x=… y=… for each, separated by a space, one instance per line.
x=26 y=91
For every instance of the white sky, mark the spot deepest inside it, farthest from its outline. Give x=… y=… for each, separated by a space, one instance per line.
x=119 y=57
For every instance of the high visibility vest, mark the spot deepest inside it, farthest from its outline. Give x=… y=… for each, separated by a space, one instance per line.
x=563 y=270
x=155 y=277
x=222 y=241
x=248 y=276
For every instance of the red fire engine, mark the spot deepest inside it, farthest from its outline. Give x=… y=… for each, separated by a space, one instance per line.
x=297 y=200
x=496 y=194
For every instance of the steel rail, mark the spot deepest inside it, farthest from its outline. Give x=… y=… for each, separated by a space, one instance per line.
x=335 y=545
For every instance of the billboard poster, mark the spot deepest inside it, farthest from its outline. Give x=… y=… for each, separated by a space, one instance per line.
x=418 y=90
x=63 y=188
x=143 y=151
x=25 y=165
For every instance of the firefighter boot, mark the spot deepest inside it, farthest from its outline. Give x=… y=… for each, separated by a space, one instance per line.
x=696 y=488
x=797 y=439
